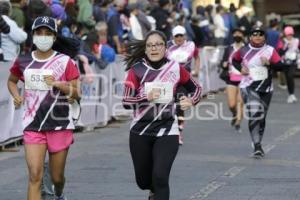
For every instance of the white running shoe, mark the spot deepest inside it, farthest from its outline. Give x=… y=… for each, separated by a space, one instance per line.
x=283 y=87
x=292 y=99
x=151 y=196
x=295 y=98
x=62 y=197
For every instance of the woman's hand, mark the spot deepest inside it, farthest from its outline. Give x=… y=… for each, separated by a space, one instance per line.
x=18 y=101
x=185 y=103
x=49 y=80
x=265 y=61
x=244 y=71
x=154 y=94
x=71 y=100
x=225 y=64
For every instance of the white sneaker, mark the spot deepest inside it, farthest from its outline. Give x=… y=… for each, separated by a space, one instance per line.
x=295 y=98
x=62 y=197
x=283 y=87
x=292 y=98
x=151 y=196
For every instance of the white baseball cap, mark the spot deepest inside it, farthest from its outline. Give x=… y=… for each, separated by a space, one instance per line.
x=178 y=30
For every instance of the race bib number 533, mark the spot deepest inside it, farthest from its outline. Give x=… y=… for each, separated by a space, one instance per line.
x=34 y=79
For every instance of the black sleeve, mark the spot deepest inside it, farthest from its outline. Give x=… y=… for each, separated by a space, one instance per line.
x=225 y=56
x=237 y=64
x=194 y=90
x=131 y=100
x=281 y=52
x=4 y=27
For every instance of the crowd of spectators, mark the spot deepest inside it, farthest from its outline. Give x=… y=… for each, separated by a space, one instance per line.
x=102 y=28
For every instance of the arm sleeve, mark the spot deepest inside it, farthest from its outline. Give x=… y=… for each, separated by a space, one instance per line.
x=15 y=69
x=196 y=52
x=280 y=48
x=4 y=27
x=275 y=62
x=131 y=98
x=72 y=71
x=225 y=56
x=237 y=60
x=143 y=19
x=112 y=26
x=275 y=58
x=190 y=85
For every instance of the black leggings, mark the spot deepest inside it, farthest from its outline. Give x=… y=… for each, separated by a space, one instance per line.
x=289 y=76
x=257 y=105
x=152 y=159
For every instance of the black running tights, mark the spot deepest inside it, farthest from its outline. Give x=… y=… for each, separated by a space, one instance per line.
x=152 y=159
x=289 y=76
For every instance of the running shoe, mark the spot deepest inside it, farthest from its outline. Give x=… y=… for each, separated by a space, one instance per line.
x=237 y=128
x=292 y=99
x=258 y=151
x=233 y=121
x=295 y=98
x=283 y=87
x=151 y=196
x=62 y=197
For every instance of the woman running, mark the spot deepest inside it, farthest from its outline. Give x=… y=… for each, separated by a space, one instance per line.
x=150 y=89
x=289 y=49
x=50 y=80
x=255 y=61
x=183 y=52
x=234 y=98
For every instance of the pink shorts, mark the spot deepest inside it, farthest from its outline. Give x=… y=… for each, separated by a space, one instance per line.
x=55 y=140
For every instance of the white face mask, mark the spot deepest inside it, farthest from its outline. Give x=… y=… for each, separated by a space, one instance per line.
x=43 y=43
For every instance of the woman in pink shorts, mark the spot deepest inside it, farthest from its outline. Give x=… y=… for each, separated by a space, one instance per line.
x=50 y=78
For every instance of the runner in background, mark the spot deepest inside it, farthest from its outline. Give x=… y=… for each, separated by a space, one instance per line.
x=50 y=78
x=289 y=49
x=273 y=36
x=235 y=102
x=255 y=61
x=182 y=51
x=150 y=88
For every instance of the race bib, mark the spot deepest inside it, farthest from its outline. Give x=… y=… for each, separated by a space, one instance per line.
x=258 y=73
x=290 y=55
x=34 y=79
x=166 y=91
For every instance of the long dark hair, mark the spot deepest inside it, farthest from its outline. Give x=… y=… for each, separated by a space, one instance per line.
x=137 y=48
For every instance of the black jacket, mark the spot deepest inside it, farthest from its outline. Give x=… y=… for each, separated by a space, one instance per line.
x=161 y=16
